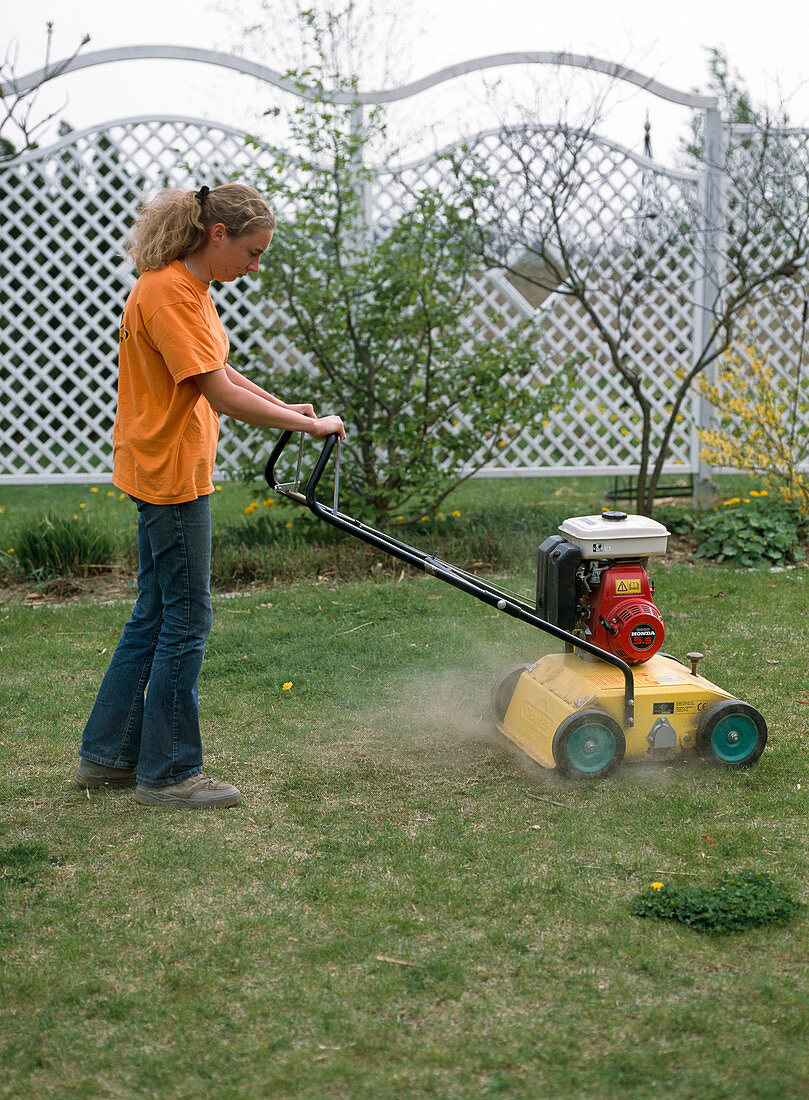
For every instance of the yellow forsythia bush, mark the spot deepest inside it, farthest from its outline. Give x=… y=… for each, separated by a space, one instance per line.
x=760 y=422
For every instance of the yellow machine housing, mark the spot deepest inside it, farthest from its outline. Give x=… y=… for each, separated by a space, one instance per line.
x=669 y=702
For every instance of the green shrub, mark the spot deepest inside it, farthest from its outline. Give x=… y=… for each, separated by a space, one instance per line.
x=58 y=547
x=754 y=530
x=737 y=902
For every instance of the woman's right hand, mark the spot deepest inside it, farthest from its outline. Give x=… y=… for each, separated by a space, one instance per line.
x=327 y=425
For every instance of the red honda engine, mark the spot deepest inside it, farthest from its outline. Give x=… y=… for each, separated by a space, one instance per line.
x=623 y=617
x=592 y=581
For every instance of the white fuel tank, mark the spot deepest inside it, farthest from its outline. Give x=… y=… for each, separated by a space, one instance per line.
x=616 y=535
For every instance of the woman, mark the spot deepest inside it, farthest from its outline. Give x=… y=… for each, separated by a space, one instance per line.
x=174 y=378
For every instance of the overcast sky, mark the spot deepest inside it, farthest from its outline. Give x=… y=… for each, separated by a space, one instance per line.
x=768 y=43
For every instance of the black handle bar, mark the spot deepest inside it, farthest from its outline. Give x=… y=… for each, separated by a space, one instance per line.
x=434 y=566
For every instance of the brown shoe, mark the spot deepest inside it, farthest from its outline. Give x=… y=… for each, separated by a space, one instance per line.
x=89 y=774
x=199 y=790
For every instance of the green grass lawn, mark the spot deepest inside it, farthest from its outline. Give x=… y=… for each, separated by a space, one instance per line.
x=403 y=905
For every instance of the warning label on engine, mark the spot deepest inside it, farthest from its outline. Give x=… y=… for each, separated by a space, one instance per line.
x=628 y=588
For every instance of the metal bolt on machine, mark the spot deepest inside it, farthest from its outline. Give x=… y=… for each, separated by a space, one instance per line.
x=612 y=694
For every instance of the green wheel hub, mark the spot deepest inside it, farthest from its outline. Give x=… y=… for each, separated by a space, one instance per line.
x=734 y=738
x=588 y=744
x=591 y=748
x=731 y=734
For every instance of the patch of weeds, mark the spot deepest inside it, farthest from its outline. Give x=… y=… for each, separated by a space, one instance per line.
x=55 y=546
x=747 y=899
x=284 y=542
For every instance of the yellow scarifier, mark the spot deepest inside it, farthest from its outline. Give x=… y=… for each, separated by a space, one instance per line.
x=613 y=694
x=584 y=700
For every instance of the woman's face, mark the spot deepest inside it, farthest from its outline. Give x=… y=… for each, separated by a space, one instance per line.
x=232 y=257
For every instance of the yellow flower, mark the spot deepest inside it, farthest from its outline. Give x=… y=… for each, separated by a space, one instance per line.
x=10 y=550
x=268 y=503
x=110 y=494
x=82 y=505
x=287 y=525
x=501 y=443
x=251 y=508
x=94 y=490
x=456 y=514
x=287 y=686
x=755 y=493
x=657 y=886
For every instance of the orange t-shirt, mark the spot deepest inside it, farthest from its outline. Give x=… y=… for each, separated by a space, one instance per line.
x=165 y=433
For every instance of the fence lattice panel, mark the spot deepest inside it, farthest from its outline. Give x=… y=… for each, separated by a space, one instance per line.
x=65 y=212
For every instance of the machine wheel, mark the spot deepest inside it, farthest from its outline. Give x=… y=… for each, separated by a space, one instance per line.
x=503 y=689
x=731 y=734
x=588 y=745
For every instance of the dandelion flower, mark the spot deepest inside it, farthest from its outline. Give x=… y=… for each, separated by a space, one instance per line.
x=287 y=686
x=456 y=514
x=657 y=886
x=268 y=503
x=94 y=489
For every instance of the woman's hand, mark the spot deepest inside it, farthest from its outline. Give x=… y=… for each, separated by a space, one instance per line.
x=327 y=425
x=304 y=410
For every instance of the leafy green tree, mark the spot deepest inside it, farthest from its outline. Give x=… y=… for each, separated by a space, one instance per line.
x=382 y=314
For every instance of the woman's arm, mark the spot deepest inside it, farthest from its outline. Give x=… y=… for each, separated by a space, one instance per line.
x=251 y=405
x=240 y=380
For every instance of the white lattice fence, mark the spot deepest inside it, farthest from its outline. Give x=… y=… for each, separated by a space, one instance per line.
x=63 y=281
x=66 y=212
x=619 y=203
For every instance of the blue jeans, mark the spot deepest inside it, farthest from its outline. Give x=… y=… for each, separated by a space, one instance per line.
x=162 y=646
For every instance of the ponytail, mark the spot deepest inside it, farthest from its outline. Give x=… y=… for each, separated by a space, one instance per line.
x=174 y=223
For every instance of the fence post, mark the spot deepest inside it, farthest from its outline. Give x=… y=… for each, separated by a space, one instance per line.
x=359 y=176
x=709 y=286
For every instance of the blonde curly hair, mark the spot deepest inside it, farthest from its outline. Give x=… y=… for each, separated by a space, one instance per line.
x=173 y=223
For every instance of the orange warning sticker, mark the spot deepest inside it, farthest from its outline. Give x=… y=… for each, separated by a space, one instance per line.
x=627 y=588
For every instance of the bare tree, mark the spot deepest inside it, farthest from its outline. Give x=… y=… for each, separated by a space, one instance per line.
x=558 y=225
x=20 y=119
